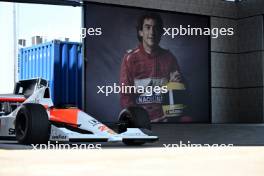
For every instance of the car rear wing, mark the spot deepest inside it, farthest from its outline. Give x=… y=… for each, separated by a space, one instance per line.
x=28 y=87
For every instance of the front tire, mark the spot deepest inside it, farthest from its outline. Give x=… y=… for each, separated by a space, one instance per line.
x=133 y=117
x=32 y=124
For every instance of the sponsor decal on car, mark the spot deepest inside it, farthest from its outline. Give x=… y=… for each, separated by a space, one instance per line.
x=59 y=137
x=93 y=122
x=11 y=131
x=104 y=128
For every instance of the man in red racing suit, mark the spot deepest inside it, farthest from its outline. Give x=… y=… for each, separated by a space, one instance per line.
x=148 y=65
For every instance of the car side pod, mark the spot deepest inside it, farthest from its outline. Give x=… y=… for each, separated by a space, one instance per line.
x=88 y=129
x=66 y=135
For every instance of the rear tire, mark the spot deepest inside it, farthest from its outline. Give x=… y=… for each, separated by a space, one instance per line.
x=133 y=117
x=32 y=124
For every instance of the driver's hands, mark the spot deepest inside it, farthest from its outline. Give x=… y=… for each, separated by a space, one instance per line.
x=175 y=76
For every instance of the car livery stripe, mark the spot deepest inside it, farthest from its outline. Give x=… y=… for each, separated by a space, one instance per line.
x=68 y=116
x=6 y=99
x=45 y=106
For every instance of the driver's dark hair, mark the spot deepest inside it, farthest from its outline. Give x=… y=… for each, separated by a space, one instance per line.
x=149 y=15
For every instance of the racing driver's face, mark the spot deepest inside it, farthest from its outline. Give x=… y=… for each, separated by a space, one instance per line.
x=150 y=33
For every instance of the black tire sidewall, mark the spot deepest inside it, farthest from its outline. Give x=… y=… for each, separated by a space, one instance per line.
x=37 y=124
x=23 y=112
x=140 y=118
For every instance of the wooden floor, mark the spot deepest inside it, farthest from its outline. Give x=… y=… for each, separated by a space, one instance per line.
x=187 y=161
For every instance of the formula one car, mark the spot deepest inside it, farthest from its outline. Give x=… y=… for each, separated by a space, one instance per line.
x=30 y=117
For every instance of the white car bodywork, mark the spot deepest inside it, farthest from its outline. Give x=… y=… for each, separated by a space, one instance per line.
x=97 y=130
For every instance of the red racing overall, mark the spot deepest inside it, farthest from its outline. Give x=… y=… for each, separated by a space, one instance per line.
x=142 y=69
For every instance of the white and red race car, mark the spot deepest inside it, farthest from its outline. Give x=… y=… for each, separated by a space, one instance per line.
x=30 y=117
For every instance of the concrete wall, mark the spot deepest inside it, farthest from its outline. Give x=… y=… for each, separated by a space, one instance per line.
x=236 y=61
x=201 y=7
x=249 y=8
x=237 y=71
